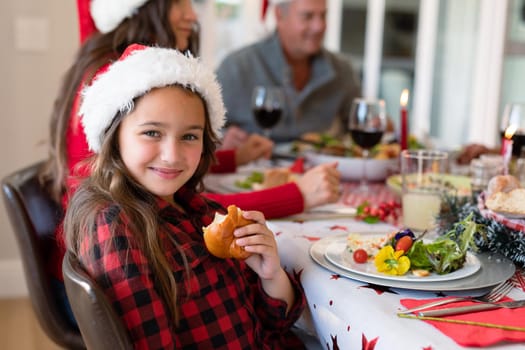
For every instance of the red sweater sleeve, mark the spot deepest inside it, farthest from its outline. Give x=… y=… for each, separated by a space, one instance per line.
x=225 y=161
x=274 y=202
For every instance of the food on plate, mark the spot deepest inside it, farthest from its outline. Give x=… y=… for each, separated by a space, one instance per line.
x=321 y=143
x=420 y=273
x=371 y=245
x=401 y=252
x=404 y=243
x=247 y=183
x=392 y=262
x=274 y=177
x=502 y=183
x=326 y=144
x=218 y=236
x=387 y=151
x=512 y=202
x=269 y=178
x=360 y=256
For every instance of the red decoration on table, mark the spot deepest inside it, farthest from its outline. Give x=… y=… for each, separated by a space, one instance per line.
x=478 y=336
x=297 y=166
x=404 y=120
x=385 y=211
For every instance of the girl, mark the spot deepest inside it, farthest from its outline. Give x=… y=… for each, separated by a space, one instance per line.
x=107 y=27
x=153 y=120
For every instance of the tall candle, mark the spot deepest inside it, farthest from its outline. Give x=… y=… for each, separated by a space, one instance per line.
x=506 y=147
x=404 y=120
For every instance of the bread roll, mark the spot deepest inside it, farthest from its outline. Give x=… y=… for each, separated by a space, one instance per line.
x=218 y=236
x=512 y=202
x=274 y=177
x=502 y=183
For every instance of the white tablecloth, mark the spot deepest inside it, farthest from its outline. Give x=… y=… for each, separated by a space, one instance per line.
x=346 y=313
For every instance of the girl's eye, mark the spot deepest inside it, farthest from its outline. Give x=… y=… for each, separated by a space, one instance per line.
x=151 y=133
x=190 y=137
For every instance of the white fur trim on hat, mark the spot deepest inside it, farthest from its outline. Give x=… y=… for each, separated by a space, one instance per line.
x=108 y=14
x=139 y=70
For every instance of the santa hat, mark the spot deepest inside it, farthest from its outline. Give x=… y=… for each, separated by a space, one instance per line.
x=104 y=15
x=140 y=69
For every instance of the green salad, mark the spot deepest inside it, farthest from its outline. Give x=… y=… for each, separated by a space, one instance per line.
x=247 y=183
x=446 y=254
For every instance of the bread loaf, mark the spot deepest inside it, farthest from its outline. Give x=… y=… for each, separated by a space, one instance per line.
x=512 y=202
x=502 y=183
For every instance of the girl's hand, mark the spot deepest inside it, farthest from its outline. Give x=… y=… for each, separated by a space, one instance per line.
x=257 y=238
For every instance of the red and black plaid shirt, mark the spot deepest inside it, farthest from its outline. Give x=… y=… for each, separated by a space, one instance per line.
x=222 y=304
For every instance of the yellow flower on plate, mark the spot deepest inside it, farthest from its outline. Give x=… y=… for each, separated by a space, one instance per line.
x=391 y=262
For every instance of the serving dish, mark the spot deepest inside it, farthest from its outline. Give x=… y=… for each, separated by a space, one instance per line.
x=352 y=168
x=494 y=269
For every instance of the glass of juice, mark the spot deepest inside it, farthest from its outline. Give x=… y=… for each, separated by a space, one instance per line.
x=423 y=183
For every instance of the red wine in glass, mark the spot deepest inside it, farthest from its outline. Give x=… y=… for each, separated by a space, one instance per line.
x=267 y=107
x=366 y=124
x=366 y=139
x=267 y=118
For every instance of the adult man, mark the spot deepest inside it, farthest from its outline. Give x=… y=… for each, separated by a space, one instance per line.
x=319 y=85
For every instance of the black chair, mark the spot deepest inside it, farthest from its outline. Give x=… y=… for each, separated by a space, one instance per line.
x=99 y=324
x=34 y=217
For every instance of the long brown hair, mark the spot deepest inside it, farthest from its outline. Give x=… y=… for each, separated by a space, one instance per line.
x=111 y=184
x=149 y=26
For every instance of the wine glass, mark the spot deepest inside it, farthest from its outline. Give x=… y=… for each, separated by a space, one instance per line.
x=514 y=116
x=267 y=106
x=367 y=123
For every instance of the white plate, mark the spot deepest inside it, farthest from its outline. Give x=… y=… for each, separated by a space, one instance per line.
x=338 y=254
x=494 y=269
x=352 y=168
x=227 y=182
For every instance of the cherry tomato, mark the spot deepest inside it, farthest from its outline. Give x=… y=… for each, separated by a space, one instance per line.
x=360 y=256
x=404 y=243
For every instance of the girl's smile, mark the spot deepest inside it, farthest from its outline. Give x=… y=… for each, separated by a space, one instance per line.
x=166 y=173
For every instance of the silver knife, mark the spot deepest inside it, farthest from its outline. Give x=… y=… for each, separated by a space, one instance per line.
x=472 y=308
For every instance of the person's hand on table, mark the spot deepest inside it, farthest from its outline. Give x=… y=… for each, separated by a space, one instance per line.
x=320 y=185
x=473 y=151
x=252 y=148
x=233 y=137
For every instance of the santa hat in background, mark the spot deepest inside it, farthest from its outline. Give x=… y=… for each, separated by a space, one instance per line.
x=86 y=26
x=104 y=15
x=140 y=69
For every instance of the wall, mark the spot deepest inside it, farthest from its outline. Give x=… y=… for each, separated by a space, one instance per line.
x=38 y=40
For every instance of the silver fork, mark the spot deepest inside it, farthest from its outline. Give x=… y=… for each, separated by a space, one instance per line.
x=494 y=295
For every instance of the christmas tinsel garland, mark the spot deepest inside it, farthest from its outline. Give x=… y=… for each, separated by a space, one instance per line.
x=495 y=237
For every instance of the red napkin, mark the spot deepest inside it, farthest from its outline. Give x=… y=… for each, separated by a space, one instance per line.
x=478 y=336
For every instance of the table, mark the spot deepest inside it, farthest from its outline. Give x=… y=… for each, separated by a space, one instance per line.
x=345 y=313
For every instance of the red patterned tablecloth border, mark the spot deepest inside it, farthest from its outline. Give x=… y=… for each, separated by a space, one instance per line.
x=514 y=224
